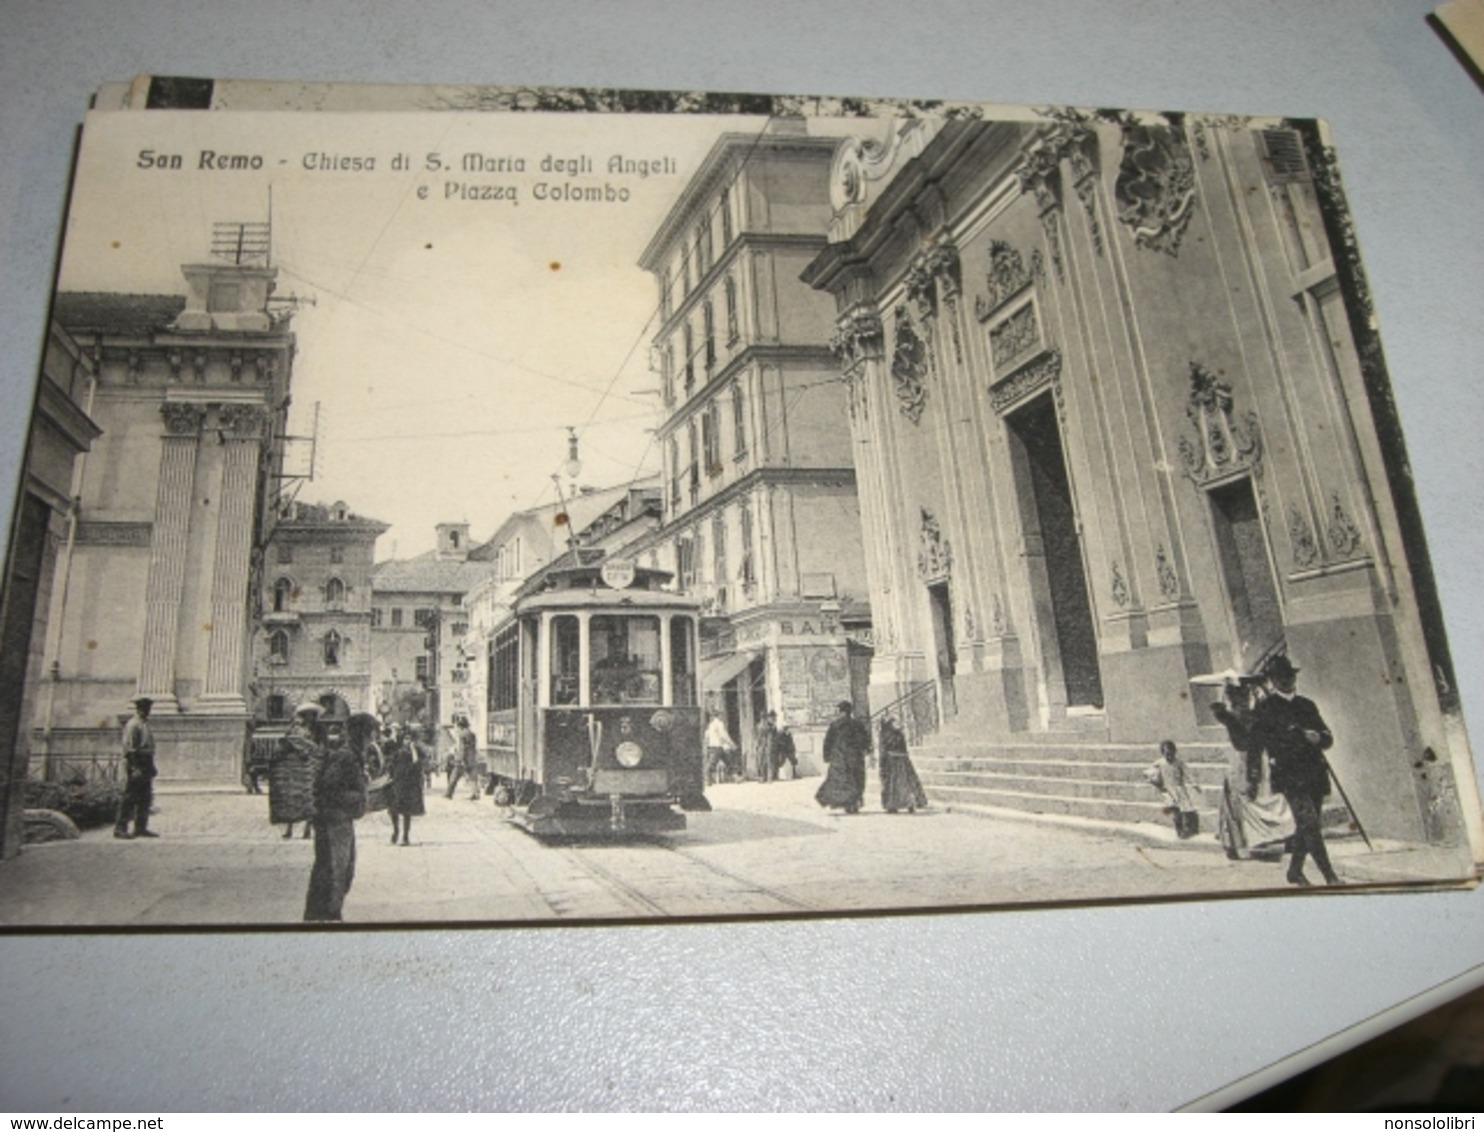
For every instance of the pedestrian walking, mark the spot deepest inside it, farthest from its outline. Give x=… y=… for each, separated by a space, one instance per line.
x=339 y=800
x=785 y=755
x=1291 y=730
x=138 y=757
x=721 y=749
x=765 y=748
x=405 y=793
x=901 y=789
x=466 y=749
x=845 y=746
x=291 y=771
x=1177 y=787
x=1251 y=820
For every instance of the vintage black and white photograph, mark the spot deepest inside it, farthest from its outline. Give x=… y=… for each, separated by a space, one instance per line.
x=523 y=506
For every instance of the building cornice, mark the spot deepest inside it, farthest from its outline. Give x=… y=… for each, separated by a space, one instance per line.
x=758 y=477
x=756 y=352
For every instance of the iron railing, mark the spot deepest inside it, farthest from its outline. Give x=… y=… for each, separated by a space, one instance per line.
x=916 y=712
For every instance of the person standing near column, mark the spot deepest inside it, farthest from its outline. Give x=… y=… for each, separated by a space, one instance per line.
x=139 y=773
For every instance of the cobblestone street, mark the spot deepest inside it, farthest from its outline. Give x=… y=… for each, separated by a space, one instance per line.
x=766 y=849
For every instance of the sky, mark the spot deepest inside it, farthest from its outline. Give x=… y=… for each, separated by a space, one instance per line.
x=449 y=338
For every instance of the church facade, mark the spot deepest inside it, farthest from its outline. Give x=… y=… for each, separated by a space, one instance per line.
x=191 y=397
x=1114 y=397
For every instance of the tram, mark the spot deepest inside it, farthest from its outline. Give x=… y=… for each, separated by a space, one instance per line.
x=594 y=724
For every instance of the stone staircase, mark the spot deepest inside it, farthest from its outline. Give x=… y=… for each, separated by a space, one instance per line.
x=1072 y=774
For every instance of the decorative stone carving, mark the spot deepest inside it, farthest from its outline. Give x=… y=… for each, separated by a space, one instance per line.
x=1155 y=187
x=909 y=365
x=971 y=629
x=244 y=421
x=135 y=366
x=182 y=419
x=1008 y=276
x=934 y=552
x=997 y=617
x=176 y=360
x=1169 y=584
x=198 y=363
x=1225 y=444
x=266 y=366
x=1014 y=336
x=1044 y=370
x=1069 y=138
x=858 y=337
x=236 y=363
x=1305 y=549
x=1344 y=536
x=1120 y=588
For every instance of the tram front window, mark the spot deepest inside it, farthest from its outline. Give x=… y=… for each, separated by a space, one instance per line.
x=625 y=660
x=566 y=659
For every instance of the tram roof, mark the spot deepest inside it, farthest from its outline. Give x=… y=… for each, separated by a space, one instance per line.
x=576 y=580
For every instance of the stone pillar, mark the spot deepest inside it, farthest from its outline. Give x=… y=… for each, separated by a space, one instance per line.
x=167 y=555
x=242 y=429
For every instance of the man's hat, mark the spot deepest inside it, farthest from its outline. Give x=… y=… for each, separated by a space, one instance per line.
x=313 y=710
x=142 y=701
x=1279 y=667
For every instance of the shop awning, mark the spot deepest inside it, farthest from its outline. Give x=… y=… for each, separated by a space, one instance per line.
x=721 y=670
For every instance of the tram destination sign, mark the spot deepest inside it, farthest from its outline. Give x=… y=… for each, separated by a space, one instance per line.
x=1019 y=492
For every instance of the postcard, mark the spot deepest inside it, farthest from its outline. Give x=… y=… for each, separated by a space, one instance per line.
x=488 y=505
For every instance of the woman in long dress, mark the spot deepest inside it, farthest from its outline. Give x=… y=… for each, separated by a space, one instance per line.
x=1251 y=820
x=901 y=789
x=405 y=793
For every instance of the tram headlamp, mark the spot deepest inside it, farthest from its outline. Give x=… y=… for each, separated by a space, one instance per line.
x=628 y=754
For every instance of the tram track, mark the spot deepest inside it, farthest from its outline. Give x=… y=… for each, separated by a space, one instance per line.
x=625 y=889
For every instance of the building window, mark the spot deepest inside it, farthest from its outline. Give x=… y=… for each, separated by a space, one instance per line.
x=665 y=293
x=333 y=645
x=278 y=647
x=688 y=347
x=283 y=593
x=685 y=270
x=685 y=562
x=337 y=555
x=703 y=248
x=285 y=552
x=667 y=374
x=733 y=333
x=424 y=618
x=719 y=557
x=739 y=420
x=711 y=438
x=334 y=593
x=278 y=707
x=422 y=670
x=725 y=209
x=396 y=618
x=695 y=461
x=746 y=572
x=675 y=473
x=376 y=617
x=708 y=328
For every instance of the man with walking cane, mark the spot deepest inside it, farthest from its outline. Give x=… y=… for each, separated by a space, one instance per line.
x=1289 y=727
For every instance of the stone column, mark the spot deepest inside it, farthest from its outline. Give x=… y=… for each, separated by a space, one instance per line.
x=167 y=555
x=242 y=429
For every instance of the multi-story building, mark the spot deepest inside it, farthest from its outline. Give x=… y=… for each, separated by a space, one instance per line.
x=419 y=662
x=760 y=513
x=314 y=638
x=41 y=535
x=172 y=511
x=1115 y=397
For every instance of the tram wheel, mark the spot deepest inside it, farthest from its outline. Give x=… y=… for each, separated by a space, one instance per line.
x=503 y=795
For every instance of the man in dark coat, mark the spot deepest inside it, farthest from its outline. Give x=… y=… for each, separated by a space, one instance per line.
x=1289 y=727
x=339 y=799
x=139 y=773
x=845 y=746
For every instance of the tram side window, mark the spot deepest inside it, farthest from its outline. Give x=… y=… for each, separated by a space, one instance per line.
x=626 y=660
x=566 y=659
x=682 y=663
x=504 y=679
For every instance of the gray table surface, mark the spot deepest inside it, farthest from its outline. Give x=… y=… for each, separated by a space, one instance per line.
x=1131 y=1007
